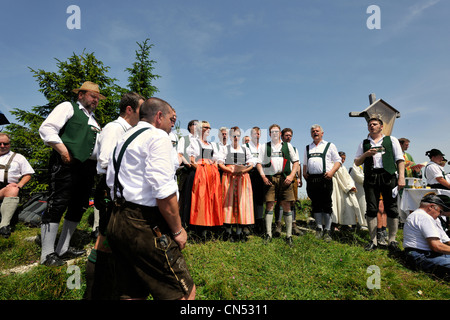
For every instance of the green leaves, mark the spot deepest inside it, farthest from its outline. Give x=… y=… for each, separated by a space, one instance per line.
x=58 y=86
x=141 y=75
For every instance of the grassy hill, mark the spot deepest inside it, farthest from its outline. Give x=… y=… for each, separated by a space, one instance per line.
x=311 y=270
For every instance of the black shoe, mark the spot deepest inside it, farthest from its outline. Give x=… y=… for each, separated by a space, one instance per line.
x=243 y=237
x=290 y=242
x=226 y=236
x=267 y=239
x=5 y=231
x=95 y=233
x=52 y=260
x=370 y=246
x=72 y=253
x=326 y=236
x=393 y=247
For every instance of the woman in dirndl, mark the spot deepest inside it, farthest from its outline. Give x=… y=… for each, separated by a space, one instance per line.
x=206 y=195
x=237 y=192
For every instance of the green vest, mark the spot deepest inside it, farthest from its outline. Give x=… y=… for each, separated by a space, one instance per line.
x=79 y=136
x=285 y=154
x=389 y=164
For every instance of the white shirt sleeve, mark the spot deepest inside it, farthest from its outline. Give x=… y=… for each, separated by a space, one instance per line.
x=49 y=130
x=397 y=149
x=159 y=168
x=107 y=141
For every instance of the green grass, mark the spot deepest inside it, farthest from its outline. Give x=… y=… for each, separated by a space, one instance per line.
x=311 y=270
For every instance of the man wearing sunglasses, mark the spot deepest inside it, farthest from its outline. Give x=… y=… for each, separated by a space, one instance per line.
x=427 y=246
x=15 y=172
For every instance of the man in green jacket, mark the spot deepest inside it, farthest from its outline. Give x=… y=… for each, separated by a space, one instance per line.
x=71 y=130
x=384 y=173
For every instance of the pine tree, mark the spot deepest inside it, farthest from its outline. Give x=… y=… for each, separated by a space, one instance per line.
x=57 y=87
x=141 y=76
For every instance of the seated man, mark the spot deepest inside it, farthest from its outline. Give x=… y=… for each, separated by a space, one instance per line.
x=426 y=245
x=15 y=172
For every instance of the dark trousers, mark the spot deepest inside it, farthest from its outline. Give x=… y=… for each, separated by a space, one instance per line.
x=257 y=188
x=103 y=203
x=319 y=190
x=378 y=182
x=70 y=188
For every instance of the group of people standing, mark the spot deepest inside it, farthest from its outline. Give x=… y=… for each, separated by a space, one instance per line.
x=149 y=189
x=227 y=184
x=255 y=174
x=138 y=248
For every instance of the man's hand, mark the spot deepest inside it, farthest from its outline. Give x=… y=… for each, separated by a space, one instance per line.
x=181 y=239
x=66 y=158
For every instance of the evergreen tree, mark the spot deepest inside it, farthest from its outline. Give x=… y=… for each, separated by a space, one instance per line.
x=141 y=74
x=57 y=87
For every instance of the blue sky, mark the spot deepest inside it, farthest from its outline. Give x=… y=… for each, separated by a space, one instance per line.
x=253 y=62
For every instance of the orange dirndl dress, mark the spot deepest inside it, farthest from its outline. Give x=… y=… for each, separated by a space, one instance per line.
x=237 y=199
x=206 y=203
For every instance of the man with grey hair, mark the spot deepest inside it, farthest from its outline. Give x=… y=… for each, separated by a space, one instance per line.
x=320 y=162
x=223 y=137
x=145 y=231
x=427 y=246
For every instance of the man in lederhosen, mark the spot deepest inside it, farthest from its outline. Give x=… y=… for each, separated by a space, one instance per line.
x=145 y=230
x=71 y=130
x=320 y=162
x=383 y=160
x=15 y=172
x=277 y=174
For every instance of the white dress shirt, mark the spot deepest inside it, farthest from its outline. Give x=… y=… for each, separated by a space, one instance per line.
x=315 y=164
x=107 y=141
x=147 y=170
x=19 y=167
x=50 y=128
x=433 y=171
x=255 y=151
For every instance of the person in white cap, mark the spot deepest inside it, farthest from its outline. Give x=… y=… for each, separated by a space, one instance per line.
x=71 y=130
x=15 y=172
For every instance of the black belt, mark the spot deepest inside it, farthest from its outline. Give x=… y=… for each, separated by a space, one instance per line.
x=317 y=175
x=141 y=207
